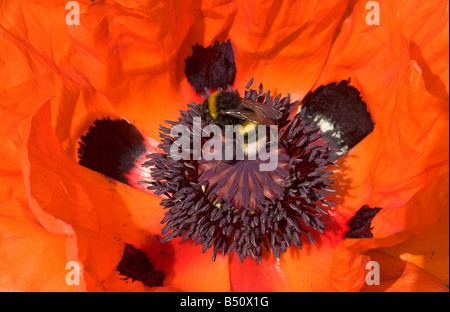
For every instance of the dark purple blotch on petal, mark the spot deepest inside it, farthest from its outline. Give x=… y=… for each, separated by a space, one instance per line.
x=136 y=265
x=360 y=224
x=212 y=67
x=111 y=147
x=342 y=115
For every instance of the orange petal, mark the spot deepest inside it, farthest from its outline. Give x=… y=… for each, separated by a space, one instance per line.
x=391 y=227
x=428 y=250
x=428 y=41
x=409 y=145
x=117 y=283
x=421 y=212
x=103 y=212
x=402 y=276
x=310 y=269
x=249 y=276
x=428 y=245
x=348 y=270
x=187 y=268
x=134 y=56
x=285 y=44
x=31 y=258
x=107 y=77
x=109 y=65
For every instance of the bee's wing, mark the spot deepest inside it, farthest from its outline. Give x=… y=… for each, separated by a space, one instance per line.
x=254 y=111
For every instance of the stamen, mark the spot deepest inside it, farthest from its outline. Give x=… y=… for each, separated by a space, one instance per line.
x=234 y=206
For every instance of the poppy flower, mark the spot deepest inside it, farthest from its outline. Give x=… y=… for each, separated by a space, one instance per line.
x=125 y=64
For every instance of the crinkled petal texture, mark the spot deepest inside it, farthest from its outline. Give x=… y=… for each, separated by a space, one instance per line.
x=126 y=60
x=395 y=166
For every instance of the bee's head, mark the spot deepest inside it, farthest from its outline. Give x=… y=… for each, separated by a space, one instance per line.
x=221 y=101
x=227 y=100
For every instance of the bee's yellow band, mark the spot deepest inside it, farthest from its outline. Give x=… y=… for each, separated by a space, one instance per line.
x=247 y=127
x=212 y=104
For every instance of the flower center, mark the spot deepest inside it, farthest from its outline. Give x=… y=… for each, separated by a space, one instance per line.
x=234 y=205
x=242 y=183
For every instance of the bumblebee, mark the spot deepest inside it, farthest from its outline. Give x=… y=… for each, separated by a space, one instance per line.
x=228 y=108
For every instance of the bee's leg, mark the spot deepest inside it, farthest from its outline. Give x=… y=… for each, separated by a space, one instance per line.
x=217 y=165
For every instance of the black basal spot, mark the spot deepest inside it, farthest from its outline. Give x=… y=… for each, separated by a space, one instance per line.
x=111 y=148
x=360 y=224
x=212 y=67
x=137 y=266
x=340 y=112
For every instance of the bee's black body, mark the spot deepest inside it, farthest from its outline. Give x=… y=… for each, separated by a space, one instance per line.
x=228 y=108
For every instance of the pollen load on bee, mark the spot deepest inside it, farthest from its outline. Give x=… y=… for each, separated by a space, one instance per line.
x=239 y=142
